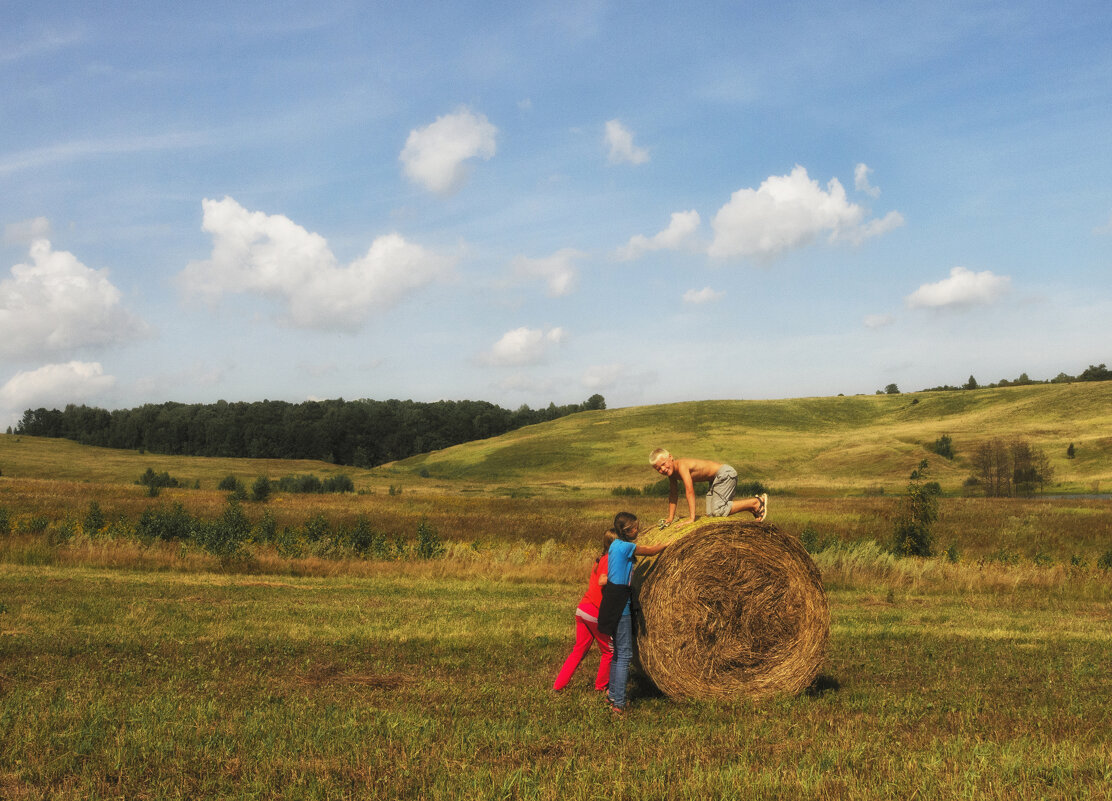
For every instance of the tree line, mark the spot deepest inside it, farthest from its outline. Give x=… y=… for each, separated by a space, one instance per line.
x=363 y=433
x=1094 y=372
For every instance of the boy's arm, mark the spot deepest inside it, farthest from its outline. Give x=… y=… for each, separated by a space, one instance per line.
x=673 y=496
x=688 y=488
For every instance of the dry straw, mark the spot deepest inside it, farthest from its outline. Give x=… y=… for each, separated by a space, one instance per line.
x=733 y=609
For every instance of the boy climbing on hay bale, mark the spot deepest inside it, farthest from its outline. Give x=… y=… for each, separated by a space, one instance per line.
x=720 y=495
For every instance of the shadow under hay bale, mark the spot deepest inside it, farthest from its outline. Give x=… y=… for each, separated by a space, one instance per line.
x=732 y=610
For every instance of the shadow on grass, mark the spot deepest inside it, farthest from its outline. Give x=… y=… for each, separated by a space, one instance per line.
x=822 y=685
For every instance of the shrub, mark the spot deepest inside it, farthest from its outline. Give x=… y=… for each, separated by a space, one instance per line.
x=340 y=482
x=226 y=536
x=260 y=490
x=917 y=513
x=366 y=541
x=5 y=521
x=162 y=524
x=1105 y=561
x=625 y=491
x=944 y=447
x=94 y=519
x=156 y=481
x=1078 y=561
x=953 y=556
x=429 y=544
x=229 y=484
x=266 y=530
x=317 y=528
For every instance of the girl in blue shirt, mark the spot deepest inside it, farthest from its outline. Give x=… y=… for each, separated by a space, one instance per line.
x=616 y=594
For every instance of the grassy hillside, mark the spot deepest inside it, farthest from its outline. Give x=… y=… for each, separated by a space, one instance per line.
x=840 y=444
x=807 y=445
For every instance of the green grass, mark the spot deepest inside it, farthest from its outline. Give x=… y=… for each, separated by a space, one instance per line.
x=133 y=685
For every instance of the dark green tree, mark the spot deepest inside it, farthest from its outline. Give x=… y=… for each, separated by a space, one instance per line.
x=917 y=513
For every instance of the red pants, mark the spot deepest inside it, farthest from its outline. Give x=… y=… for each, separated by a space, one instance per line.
x=586 y=632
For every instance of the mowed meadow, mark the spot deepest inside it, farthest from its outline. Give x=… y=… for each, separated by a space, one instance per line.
x=133 y=666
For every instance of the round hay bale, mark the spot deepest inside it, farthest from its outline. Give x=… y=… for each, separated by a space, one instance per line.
x=733 y=609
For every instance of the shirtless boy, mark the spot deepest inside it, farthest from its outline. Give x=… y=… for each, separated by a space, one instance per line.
x=723 y=483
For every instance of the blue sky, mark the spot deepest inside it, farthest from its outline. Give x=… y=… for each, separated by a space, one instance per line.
x=527 y=202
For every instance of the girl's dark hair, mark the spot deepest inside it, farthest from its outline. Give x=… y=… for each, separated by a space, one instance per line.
x=623 y=525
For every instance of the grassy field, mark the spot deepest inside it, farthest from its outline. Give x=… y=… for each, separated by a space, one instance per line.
x=165 y=685
x=133 y=667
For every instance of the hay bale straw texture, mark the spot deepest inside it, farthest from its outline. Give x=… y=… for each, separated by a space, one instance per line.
x=732 y=610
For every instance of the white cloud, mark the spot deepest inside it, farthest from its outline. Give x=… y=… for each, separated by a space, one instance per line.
x=871 y=228
x=524 y=346
x=27 y=231
x=963 y=288
x=861 y=180
x=557 y=270
x=56 y=303
x=273 y=256
x=435 y=156
x=878 y=320
x=622 y=150
x=682 y=225
x=790 y=211
x=54 y=385
x=699 y=296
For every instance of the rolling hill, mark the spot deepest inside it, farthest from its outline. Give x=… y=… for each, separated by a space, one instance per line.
x=836 y=445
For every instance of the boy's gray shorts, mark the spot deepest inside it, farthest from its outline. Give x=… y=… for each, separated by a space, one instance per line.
x=721 y=491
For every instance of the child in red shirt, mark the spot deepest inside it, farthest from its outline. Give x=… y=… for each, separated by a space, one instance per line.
x=586 y=632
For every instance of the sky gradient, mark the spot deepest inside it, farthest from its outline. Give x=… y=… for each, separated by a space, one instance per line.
x=533 y=203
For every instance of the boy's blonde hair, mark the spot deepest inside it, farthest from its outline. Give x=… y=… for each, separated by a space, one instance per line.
x=658 y=456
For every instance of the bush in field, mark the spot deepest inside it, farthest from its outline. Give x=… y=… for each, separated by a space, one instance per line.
x=953 y=556
x=266 y=530
x=917 y=513
x=310 y=483
x=317 y=528
x=622 y=491
x=944 y=447
x=363 y=538
x=5 y=522
x=156 y=481
x=226 y=536
x=229 y=484
x=338 y=483
x=1105 y=561
x=260 y=490
x=162 y=524
x=429 y=544
x=94 y=519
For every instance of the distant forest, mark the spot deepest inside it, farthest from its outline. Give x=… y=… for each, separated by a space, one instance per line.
x=363 y=433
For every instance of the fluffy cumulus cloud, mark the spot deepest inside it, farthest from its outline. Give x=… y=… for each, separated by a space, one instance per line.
x=558 y=271
x=619 y=141
x=963 y=288
x=524 y=346
x=269 y=254
x=787 y=212
x=54 y=385
x=437 y=156
x=679 y=231
x=55 y=303
x=697 y=297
